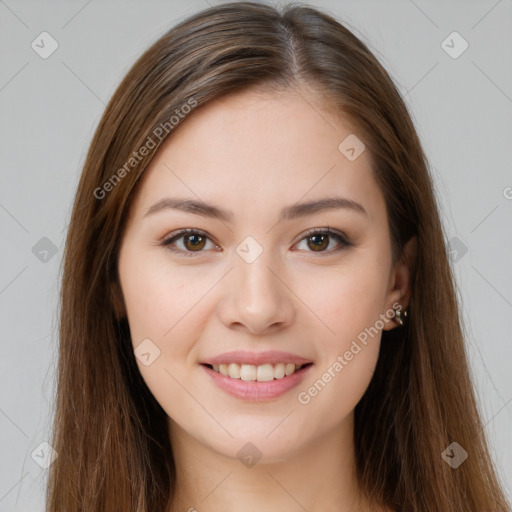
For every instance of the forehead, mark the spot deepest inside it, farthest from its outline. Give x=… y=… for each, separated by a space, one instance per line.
x=255 y=151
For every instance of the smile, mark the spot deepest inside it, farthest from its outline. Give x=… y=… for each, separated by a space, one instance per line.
x=261 y=373
x=276 y=380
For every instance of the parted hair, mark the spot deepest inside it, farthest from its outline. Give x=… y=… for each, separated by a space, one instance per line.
x=109 y=431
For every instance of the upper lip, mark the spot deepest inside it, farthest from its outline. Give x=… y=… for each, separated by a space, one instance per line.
x=256 y=358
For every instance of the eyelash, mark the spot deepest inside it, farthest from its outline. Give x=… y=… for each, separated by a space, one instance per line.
x=344 y=241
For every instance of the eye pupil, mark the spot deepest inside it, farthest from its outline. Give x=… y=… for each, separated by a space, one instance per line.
x=198 y=240
x=323 y=245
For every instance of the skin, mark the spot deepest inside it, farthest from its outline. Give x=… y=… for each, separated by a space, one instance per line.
x=253 y=153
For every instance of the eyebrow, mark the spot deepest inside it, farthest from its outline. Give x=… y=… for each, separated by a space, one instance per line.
x=199 y=207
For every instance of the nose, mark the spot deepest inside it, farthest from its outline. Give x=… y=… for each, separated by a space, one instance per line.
x=258 y=298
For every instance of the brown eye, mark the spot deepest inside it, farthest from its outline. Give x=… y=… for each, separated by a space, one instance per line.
x=318 y=240
x=193 y=241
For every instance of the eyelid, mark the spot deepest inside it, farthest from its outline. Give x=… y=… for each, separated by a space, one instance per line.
x=185 y=231
x=177 y=234
x=327 y=230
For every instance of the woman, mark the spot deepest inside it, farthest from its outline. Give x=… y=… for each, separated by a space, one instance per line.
x=257 y=308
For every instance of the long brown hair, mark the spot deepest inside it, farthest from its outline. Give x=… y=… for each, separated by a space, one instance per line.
x=110 y=433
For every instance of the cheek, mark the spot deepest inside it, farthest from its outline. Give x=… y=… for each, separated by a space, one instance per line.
x=159 y=300
x=165 y=313
x=350 y=302
x=167 y=309
x=331 y=395
x=347 y=299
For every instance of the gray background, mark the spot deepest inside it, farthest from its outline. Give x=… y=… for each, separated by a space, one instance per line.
x=50 y=107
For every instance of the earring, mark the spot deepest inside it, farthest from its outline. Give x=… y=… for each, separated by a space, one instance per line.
x=400 y=316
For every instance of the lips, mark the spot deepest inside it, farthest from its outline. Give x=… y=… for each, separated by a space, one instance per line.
x=245 y=387
x=256 y=358
x=255 y=391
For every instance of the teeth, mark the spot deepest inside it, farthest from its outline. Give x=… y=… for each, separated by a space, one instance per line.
x=234 y=371
x=262 y=373
x=279 y=371
x=290 y=368
x=247 y=371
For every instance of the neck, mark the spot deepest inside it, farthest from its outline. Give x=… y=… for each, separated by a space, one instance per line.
x=317 y=477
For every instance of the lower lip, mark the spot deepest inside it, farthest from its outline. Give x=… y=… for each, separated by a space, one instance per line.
x=253 y=390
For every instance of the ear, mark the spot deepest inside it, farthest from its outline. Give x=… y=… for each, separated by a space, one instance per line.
x=117 y=301
x=399 y=290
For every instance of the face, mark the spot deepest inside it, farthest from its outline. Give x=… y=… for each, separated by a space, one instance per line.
x=253 y=282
